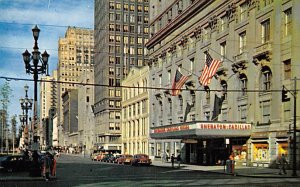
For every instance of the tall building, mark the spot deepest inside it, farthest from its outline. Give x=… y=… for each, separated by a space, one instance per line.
x=75 y=55
x=86 y=122
x=121 y=31
x=135 y=112
x=241 y=111
x=48 y=100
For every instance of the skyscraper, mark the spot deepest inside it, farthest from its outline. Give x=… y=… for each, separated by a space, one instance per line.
x=121 y=31
x=75 y=56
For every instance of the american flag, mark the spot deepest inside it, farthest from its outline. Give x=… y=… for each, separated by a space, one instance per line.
x=178 y=82
x=210 y=68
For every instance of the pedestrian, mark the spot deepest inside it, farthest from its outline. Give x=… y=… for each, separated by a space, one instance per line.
x=282 y=162
x=172 y=160
x=178 y=160
x=46 y=166
x=53 y=172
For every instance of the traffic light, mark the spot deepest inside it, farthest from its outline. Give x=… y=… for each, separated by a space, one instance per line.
x=284 y=95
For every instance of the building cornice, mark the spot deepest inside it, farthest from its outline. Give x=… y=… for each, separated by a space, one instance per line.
x=176 y=23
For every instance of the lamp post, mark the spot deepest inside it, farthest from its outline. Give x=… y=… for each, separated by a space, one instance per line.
x=35 y=64
x=26 y=104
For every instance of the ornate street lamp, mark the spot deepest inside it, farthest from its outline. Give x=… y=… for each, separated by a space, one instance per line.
x=35 y=64
x=26 y=104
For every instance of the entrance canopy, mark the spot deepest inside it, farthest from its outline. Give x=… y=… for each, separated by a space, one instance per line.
x=198 y=129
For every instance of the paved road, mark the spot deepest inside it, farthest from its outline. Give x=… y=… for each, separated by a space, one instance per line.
x=78 y=171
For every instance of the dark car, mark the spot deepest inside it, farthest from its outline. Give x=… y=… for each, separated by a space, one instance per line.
x=107 y=158
x=141 y=159
x=14 y=163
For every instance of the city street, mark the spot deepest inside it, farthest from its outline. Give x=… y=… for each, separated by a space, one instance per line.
x=74 y=170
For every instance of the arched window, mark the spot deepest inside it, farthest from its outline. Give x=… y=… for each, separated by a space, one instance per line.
x=266 y=78
x=243 y=84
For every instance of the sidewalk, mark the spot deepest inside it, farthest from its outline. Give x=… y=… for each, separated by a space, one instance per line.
x=244 y=171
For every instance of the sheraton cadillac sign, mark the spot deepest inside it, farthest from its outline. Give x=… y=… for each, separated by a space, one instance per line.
x=206 y=126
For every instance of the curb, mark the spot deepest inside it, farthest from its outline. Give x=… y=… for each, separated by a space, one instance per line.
x=22 y=179
x=235 y=174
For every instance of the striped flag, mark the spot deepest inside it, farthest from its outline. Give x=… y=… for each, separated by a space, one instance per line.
x=210 y=69
x=178 y=82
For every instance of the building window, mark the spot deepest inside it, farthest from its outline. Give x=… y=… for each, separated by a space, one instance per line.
x=266 y=78
x=287 y=69
x=118 y=104
x=117 y=126
x=111 y=103
x=111 y=71
x=223 y=23
x=118 y=93
x=242 y=45
x=287 y=22
x=265 y=31
x=224 y=89
x=111 y=115
x=223 y=49
x=111 y=126
x=111 y=93
x=242 y=112
x=180 y=102
x=118 y=115
x=111 y=82
x=243 y=84
x=192 y=65
x=265 y=111
x=207 y=96
x=243 y=11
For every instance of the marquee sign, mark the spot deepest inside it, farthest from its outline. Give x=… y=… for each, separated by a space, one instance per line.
x=204 y=126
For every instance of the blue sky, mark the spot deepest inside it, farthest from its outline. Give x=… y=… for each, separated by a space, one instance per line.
x=17 y=18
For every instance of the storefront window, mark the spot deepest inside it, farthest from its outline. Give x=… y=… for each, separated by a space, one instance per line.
x=260 y=151
x=240 y=152
x=282 y=148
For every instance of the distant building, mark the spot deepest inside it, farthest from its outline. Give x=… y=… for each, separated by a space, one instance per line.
x=48 y=100
x=257 y=42
x=75 y=56
x=121 y=31
x=70 y=109
x=135 y=112
x=86 y=122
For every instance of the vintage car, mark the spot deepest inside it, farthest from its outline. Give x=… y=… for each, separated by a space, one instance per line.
x=125 y=159
x=141 y=159
x=14 y=163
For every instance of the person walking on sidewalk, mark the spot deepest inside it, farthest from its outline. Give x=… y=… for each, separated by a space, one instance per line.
x=282 y=162
x=178 y=160
x=172 y=160
x=46 y=166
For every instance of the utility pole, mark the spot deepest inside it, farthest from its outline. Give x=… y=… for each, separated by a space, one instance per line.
x=285 y=98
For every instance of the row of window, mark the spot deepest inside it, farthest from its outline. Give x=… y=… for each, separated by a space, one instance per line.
x=135 y=109
x=127 y=7
x=135 y=128
x=129 y=28
x=128 y=18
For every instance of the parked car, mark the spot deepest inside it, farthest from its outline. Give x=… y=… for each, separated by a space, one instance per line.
x=14 y=163
x=114 y=158
x=106 y=158
x=125 y=159
x=141 y=159
x=101 y=156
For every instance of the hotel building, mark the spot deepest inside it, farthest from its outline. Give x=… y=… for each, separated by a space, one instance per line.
x=257 y=43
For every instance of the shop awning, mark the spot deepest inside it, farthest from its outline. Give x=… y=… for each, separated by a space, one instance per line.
x=201 y=130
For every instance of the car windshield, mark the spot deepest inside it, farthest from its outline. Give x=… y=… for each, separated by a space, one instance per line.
x=3 y=158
